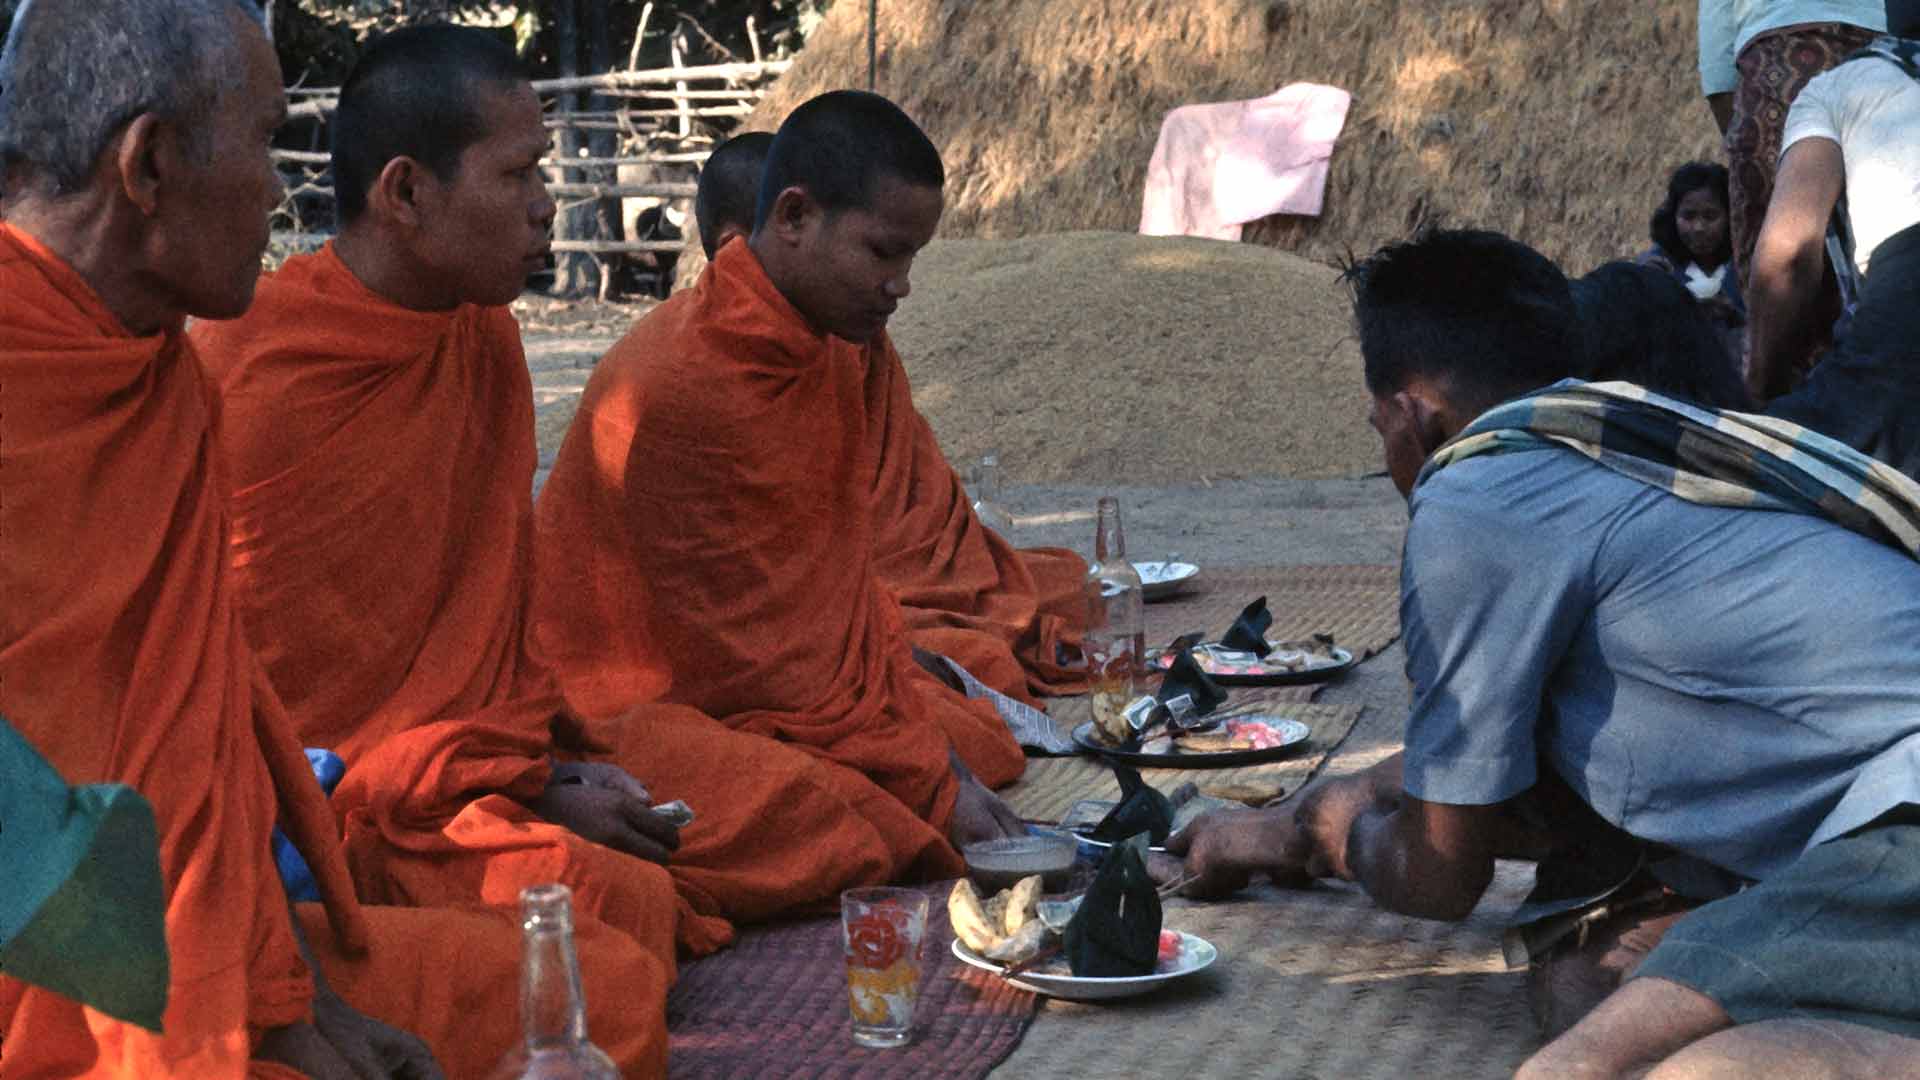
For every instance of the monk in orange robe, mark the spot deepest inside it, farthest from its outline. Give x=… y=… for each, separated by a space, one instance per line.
x=128 y=207
x=712 y=507
x=1012 y=618
x=379 y=422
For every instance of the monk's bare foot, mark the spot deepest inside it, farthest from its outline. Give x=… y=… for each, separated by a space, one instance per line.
x=979 y=814
x=1637 y=1027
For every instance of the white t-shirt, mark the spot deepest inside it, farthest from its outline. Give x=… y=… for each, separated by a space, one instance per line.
x=1872 y=109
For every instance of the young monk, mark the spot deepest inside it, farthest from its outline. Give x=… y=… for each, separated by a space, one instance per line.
x=379 y=423
x=1698 y=622
x=1012 y=618
x=729 y=189
x=711 y=508
x=133 y=199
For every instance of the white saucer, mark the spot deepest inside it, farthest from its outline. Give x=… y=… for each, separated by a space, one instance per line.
x=1163 y=579
x=1196 y=954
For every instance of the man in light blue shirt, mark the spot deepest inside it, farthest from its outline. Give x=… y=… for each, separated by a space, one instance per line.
x=1737 y=685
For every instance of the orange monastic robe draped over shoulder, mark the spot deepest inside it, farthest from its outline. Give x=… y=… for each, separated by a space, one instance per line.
x=712 y=507
x=384 y=464
x=1012 y=618
x=121 y=660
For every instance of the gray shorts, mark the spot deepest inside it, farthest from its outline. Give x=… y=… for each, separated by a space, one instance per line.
x=1834 y=937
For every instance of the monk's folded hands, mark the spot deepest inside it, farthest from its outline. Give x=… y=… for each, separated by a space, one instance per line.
x=605 y=804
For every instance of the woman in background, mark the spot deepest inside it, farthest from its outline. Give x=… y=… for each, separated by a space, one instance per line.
x=1693 y=242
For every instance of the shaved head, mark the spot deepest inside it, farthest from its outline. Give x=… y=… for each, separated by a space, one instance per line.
x=839 y=146
x=729 y=190
x=74 y=73
x=415 y=93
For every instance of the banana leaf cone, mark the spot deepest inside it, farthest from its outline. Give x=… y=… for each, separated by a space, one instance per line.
x=1116 y=932
x=1249 y=630
x=81 y=905
x=1141 y=809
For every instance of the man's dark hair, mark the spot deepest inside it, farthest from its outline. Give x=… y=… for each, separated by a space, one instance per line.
x=1903 y=18
x=839 y=145
x=1686 y=180
x=729 y=191
x=1640 y=325
x=1485 y=317
x=414 y=93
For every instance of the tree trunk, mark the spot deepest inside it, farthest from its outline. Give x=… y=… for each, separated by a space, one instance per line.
x=596 y=21
x=573 y=271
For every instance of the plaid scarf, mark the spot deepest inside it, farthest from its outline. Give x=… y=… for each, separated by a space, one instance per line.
x=1701 y=455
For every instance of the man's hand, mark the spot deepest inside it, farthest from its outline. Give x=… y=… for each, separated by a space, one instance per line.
x=345 y=1044
x=1221 y=850
x=1325 y=818
x=604 y=804
x=979 y=814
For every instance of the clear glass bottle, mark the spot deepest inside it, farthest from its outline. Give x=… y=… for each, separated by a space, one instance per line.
x=986 y=496
x=553 y=1008
x=1116 y=635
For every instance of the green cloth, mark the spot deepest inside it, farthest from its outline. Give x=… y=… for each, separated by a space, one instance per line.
x=82 y=910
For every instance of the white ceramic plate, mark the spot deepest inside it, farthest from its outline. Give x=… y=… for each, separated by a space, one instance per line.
x=1196 y=954
x=1163 y=579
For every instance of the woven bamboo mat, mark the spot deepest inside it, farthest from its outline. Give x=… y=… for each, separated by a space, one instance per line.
x=1358 y=605
x=775 y=1005
x=1051 y=785
x=1310 y=983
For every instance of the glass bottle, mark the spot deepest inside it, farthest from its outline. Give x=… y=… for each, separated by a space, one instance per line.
x=1116 y=635
x=553 y=1009
x=986 y=496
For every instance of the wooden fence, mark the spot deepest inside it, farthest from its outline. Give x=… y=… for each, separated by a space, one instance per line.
x=662 y=117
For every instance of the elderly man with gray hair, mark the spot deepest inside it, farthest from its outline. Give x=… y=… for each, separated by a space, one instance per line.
x=135 y=187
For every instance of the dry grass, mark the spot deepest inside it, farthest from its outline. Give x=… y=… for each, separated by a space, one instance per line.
x=1556 y=121
x=1109 y=358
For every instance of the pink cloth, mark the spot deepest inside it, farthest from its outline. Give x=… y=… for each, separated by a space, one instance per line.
x=1217 y=167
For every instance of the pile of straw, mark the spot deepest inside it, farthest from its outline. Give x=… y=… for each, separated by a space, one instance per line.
x=1108 y=358
x=1556 y=121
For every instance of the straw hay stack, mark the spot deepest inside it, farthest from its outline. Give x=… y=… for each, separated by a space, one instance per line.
x=1556 y=121
x=1108 y=358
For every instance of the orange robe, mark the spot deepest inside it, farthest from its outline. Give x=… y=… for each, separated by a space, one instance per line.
x=383 y=502
x=711 y=508
x=121 y=660
x=1012 y=618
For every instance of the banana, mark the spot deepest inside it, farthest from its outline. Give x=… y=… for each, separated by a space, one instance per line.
x=1022 y=946
x=970 y=922
x=1022 y=904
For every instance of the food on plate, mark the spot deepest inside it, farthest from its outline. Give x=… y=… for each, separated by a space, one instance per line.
x=1001 y=927
x=1169 y=955
x=1316 y=652
x=1231 y=735
x=1023 y=905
